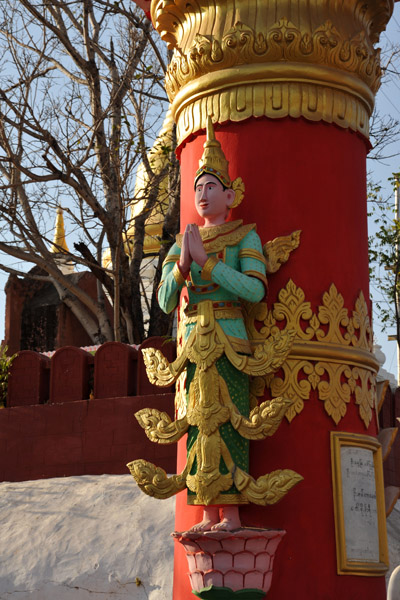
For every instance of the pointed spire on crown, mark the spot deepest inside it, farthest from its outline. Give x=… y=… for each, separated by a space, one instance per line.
x=214 y=163
x=213 y=160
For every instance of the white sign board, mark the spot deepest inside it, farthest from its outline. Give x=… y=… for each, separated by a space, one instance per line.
x=359 y=504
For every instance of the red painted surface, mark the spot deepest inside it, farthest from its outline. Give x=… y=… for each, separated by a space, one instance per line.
x=315 y=180
x=68 y=330
x=68 y=434
x=86 y=437
x=15 y=291
x=69 y=379
x=308 y=176
x=29 y=383
x=116 y=370
x=115 y=366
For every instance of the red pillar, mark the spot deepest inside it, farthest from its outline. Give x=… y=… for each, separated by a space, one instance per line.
x=290 y=87
x=314 y=181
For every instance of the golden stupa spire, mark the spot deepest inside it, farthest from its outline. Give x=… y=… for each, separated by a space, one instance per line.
x=59 y=245
x=59 y=242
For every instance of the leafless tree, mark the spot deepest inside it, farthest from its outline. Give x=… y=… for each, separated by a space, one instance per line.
x=384 y=224
x=81 y=101
x=385 y=126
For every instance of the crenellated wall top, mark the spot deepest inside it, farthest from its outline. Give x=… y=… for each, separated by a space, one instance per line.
x=235 y=59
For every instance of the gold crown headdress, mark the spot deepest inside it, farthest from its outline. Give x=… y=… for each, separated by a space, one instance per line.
x=214 y=162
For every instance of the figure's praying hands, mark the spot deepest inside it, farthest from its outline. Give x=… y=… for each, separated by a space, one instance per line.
x=196 y=246
x=192 y=249
x=185 y=259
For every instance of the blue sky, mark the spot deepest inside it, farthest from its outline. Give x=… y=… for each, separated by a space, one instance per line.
x=388 y=102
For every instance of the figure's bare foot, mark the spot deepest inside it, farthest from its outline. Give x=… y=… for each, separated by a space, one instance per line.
x=210 y=518
x=230 y=519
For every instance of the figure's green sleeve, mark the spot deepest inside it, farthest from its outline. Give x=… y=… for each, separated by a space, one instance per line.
x=171 y=281
x=251 y=282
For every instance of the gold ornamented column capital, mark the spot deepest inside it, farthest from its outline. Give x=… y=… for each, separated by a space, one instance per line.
x=235 y=59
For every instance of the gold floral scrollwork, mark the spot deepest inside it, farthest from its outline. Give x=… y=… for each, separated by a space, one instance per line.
x=209 y=407
x=331 y=353
x=362 y=324
x=255 y=312
x=277 y=251
x=159 y=427
x=289 y=385
x=154 y=481
x=333 y=314
x=267 y=489
x=237 y=60
x=330 y=323
x=292 y=309
x=283 y=41
x=263 y=420
x=365 y=393
x=333 y=391
x=159 y=370
x=180 y=393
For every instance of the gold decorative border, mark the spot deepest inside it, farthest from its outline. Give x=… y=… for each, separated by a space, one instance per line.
x=178 y=21
x=283 y=41
x=331 y=353
x=344 y=565
x=235 y=60
x=273 y=99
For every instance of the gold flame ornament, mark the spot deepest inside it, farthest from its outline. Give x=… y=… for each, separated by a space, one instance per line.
x=214 y=163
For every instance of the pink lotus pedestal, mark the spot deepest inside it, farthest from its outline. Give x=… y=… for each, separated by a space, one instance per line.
x=235 y=564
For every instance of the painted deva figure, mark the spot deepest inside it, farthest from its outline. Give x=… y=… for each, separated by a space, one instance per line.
x=222 y=264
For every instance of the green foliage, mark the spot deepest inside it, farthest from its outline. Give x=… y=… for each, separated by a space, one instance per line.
x=5 y=364
x=384 y=255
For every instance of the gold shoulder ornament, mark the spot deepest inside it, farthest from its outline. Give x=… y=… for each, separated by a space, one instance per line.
x=238 y=188
x=277 y=251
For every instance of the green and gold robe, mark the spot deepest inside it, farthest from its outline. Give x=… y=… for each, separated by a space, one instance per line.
x=218 y=359
x=238 y=273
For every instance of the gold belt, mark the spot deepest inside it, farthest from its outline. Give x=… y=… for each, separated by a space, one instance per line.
x=222 y=313
x=222 y=310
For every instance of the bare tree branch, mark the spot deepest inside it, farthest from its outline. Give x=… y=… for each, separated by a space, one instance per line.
x=79 y=111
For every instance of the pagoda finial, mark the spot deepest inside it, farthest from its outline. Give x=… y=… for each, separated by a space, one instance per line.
x=59 y=242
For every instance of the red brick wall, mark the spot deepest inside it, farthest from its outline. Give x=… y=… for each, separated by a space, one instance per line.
x=85 y=437
x=74 y=414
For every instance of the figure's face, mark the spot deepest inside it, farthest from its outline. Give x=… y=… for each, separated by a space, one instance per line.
x=212 y=201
